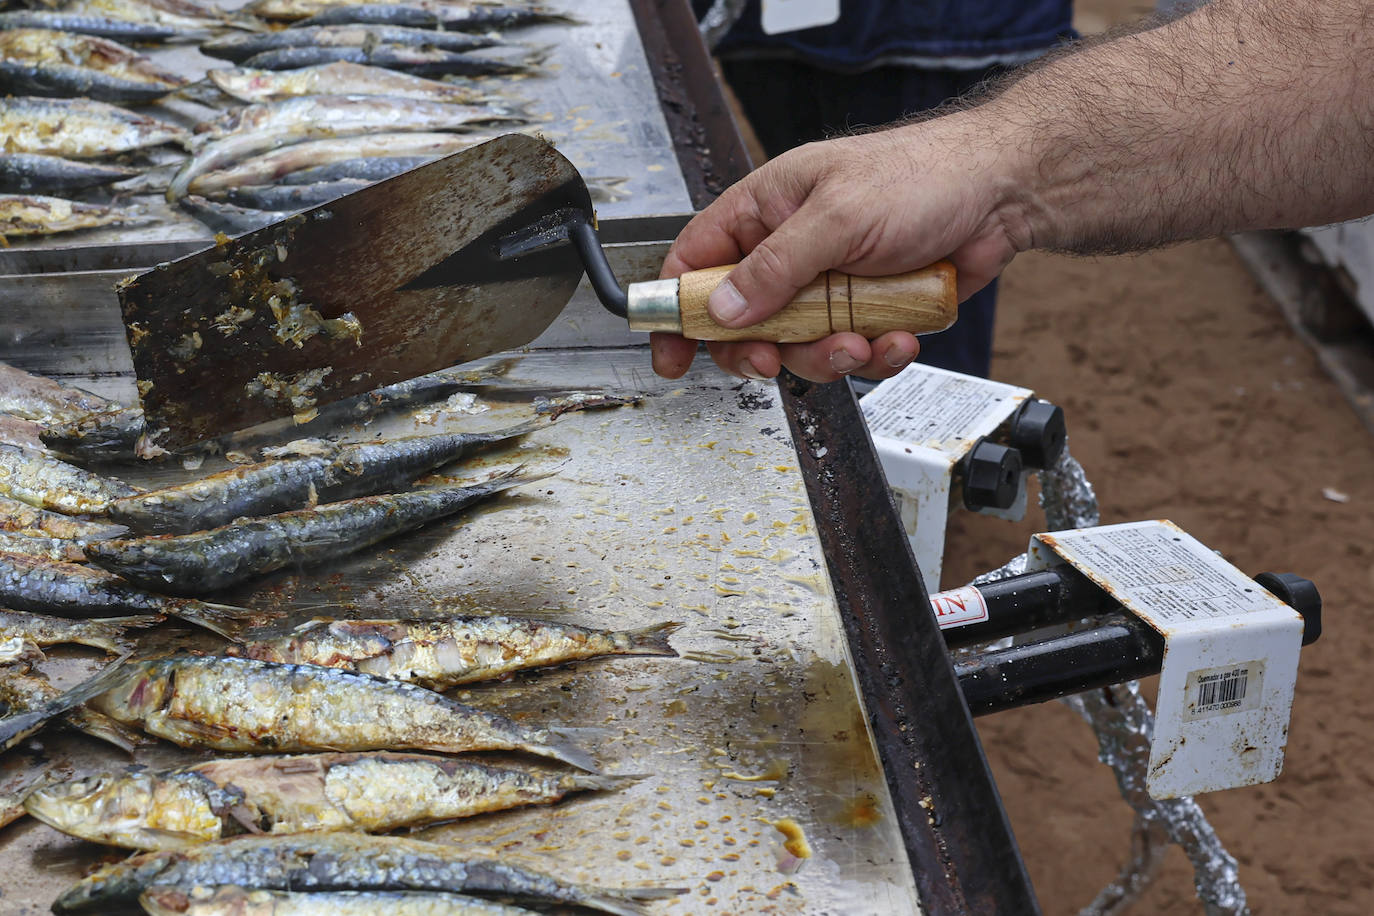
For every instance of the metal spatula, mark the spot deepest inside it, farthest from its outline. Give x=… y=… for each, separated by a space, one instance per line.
x=464 y=257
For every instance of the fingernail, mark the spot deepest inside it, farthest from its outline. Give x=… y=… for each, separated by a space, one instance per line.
x=725 y=302
x=844 y=362
x=747 y=369
x=897 y=356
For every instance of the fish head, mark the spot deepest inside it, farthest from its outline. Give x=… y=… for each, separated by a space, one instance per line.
x=137 y=696
x=135 y=809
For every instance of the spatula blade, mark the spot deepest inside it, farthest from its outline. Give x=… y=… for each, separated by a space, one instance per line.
x=316 y=307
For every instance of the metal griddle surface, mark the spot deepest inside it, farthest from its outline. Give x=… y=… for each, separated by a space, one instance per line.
x=689 y=507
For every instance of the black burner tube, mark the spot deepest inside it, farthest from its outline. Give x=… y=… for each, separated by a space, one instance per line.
x=1020 y=604
x=1119 y=648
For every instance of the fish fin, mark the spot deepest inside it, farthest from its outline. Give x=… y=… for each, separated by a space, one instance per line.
x=561 y=745
x=622 y=901
x=224 y=619
x=16 y=728
x=510 y=432
x=603 y=782
x=654 y=640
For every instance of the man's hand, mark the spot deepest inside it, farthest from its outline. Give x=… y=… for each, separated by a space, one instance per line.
x=1244 y=114
x=872 y=205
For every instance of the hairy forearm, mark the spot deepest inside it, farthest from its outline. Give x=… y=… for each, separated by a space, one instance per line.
x=1246 y=114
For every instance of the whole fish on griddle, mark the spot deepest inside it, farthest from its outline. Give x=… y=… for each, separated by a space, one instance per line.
x=340 y=78
x=27 y=172
x=239 y=704
x=22 y=518
x=72 y=590
x=346 y=111
x=231 y=900
x=340 y=861
x=242 y=47
x=45 y=62
x=293 y=197
x=85 y=24
x=23 y=693
x=269 y=166
x=269 y=487
x=30 y=215
x=20 y=724
x=358 y=793
x=79 y=128
x=186 y=17
x=418 y=60
x=440 y=654
x=47 y=483
x=203 y=561
x=103 y=633
x=436 y=15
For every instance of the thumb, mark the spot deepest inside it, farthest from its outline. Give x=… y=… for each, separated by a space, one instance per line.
x=769 y=277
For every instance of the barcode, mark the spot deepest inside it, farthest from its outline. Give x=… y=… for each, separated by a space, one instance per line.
x=1223 y=690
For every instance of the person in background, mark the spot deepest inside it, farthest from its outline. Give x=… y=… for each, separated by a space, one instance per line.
x=882 y=61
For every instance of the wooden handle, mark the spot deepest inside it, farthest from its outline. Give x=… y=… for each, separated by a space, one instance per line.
x=922 y=301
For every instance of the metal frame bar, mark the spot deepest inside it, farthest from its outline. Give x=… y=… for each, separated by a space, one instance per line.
x=957 y=836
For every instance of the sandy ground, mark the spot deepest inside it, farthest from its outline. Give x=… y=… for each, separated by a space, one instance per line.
x=1188 y=398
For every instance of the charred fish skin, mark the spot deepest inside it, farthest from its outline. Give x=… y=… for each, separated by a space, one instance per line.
x=338 y=861
x=440 y=654
x=26 y=173
x=21 y=518
x=246 y=491
x=106 y=633
x=202 y=561
x=73 y=590
x=47 y=548
x=237 y=901
x=242 y=47
x=79 y=128
x=34 y=397
x=238 y=704
x=370 y=793
x=46 y=483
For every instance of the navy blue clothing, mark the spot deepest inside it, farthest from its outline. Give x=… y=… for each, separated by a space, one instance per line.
x=912 y=32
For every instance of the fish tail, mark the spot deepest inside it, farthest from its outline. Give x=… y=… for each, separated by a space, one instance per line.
x=653 y=640
x=558 y=743
x=622 y=901
x=510 y=432
x=226 y=620
x=603 y=782
x=108 y=635
x=14 y=729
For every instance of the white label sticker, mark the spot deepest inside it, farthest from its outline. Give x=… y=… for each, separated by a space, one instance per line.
x=1228 y=689
x=959 y=607
x=933 y=408
x=1230 y=651
x=791 y=15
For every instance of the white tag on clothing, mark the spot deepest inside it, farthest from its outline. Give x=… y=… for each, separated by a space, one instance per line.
x=793 y=15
